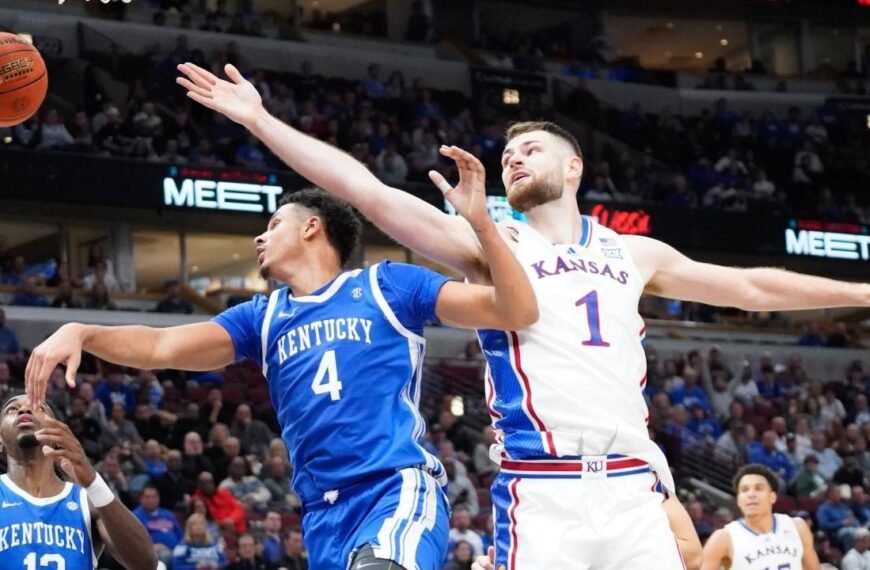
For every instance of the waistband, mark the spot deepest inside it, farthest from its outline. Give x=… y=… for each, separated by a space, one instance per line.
x=579 y=467
x=332 y=497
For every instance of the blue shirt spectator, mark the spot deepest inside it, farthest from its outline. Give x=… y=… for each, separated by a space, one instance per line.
x=703 y=425
x=199 y=551
x=834 y=514
x=113 y=391
x=161 y=524
x=767 y=455
x=8 y=339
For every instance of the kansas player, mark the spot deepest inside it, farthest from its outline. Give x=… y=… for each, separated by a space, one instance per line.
x=343 y=353
x=47 y=523
x=761 y=539
x=565 y=393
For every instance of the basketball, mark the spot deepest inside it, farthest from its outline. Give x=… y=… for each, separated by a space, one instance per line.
x=23 y=80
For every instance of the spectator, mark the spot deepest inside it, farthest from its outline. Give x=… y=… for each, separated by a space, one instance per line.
x=15 y=274
x=809 y=482
x=860 y=505
x=390 y=167
x=849 y=474
x=85 y=428
x=98 y=299
x=199 y=550
x=745 y=390
x=720 y=394
x=53 y=133
x=28 y=294
x=460 y=490
x=254 y=435
x=294 y=557
x=9 y=345
x=249 y=490
x=174 y=489
x=272 y=548
x=484 y=466
x=831 y=407
x=460 y=531
x=120 y=429
x=161 y=524
x=462 y=556
x=702 y=425
x=101 y=274
x=114 y=389
x=64 y=297
x=858 y=558
x=836 y=518
x=174 y=302
x=194 y=460
x=215 y=410
x=829 y=461
x=277 y=480
x=767 y=455
x=6 y=391
x=247 y=558
x=373 y=86
x=221 y=503
x=862 y=411
x=250 y=154
x=699 y=520
x=690 y=394
x=155 y=467
x=812 y=336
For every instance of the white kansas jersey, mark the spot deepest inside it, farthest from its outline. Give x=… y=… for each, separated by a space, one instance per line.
x=781 y=549
x=571 y=384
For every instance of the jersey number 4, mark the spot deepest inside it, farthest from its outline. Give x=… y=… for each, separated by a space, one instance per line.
x=593 y=317
x=47 y=559
x=326 y=380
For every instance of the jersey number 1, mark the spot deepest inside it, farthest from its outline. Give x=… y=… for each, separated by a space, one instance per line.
x=326 y=380
x=593 y=317
x=56 y=559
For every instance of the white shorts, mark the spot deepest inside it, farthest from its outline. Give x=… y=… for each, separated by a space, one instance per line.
x=590 y=513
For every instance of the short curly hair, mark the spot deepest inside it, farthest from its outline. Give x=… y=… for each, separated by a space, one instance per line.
x=343 y=226
x=756 y=469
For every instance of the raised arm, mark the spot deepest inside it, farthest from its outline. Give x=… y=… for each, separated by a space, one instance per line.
x=118 y=529
x=669 y=273
x=717 y=551
x=510 y=303
x=409 y=220
x=201 y=346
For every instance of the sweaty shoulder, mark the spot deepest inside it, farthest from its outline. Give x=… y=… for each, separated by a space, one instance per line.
x=244 y=323
x=411 y=292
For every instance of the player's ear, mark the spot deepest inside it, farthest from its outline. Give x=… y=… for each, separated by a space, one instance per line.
x=310 y=226
x=574 y=167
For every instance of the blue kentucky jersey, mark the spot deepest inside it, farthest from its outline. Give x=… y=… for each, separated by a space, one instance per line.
x=48 y=532
x=344 y=368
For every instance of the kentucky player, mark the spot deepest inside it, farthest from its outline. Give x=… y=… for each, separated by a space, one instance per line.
x=343 y=353
x=761 y=539
x=47 y=523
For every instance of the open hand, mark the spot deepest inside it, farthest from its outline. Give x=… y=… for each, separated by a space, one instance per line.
x=59 y=443
x=63 y=347
x=469 y=196
x=238 y=99
x=485 y=562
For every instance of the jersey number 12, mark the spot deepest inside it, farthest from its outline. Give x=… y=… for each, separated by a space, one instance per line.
x=326 y=380
x=56 y=559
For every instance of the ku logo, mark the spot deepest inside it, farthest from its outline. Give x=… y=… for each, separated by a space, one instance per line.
x=595 y=466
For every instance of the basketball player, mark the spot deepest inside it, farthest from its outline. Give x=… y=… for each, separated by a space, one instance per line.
x=761 y=539
x=47 y=523
x=581 y=483
x=343 y=353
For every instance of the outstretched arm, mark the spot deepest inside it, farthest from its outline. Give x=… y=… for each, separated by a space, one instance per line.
x=201 y=346
x=669 y=273
x=449 y=240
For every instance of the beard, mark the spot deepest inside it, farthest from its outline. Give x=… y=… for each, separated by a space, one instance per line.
x=534 y=193
x=264 y=272
x=26 y=441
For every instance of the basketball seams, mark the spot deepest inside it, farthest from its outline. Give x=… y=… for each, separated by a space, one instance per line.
x=17 y=87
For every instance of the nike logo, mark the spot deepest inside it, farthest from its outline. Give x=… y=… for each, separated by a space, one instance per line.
x=367 y=565
x=6 y=505
x=283 y=315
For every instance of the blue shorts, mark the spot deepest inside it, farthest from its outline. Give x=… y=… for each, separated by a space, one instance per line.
x=404 y=517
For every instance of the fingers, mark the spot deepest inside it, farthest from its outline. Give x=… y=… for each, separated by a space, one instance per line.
x=39 y=380
x=234 y=74
x=440 y=181
x=192 y=87
x=197 y=74
x=72 y=368
x=464 y=160
x=204 y=101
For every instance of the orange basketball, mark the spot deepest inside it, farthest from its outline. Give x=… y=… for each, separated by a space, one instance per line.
x=23 y=80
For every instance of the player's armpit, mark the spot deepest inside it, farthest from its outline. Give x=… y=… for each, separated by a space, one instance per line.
x=684 y=530
x=124 y=537
x=717 y=551
x=469 y=306
x=810 y=560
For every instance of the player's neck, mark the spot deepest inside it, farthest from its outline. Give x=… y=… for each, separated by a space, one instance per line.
x=559 y=221
x=311 y=273
x=36 y=477
x=761 y=524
